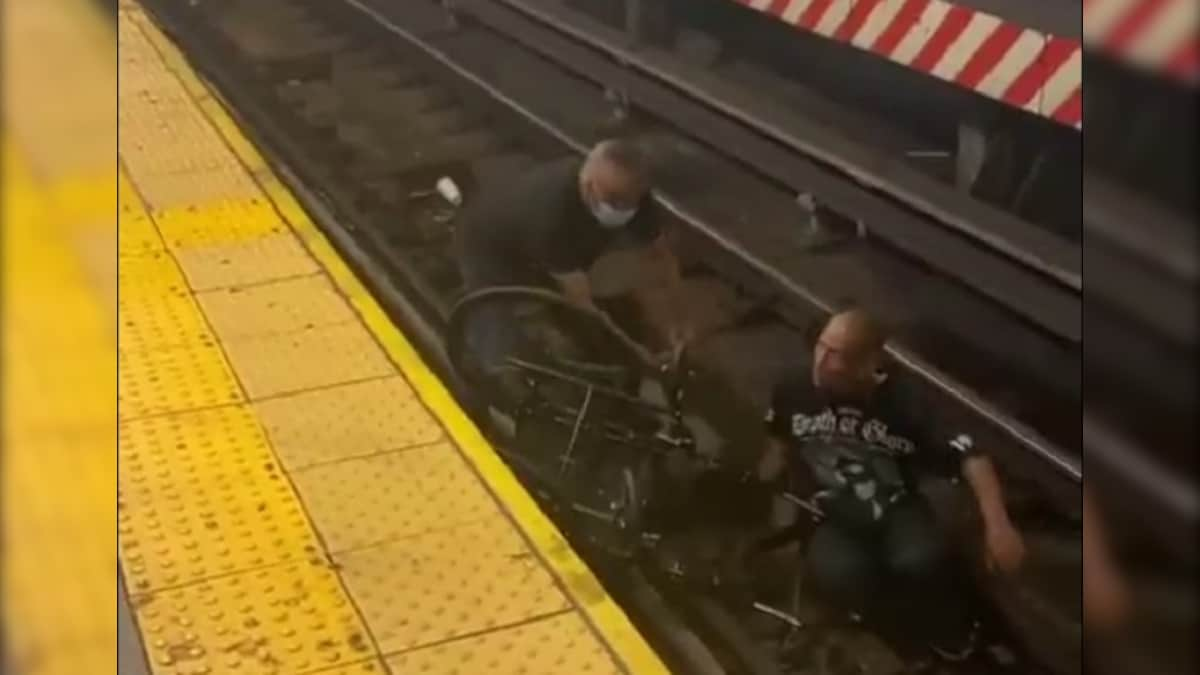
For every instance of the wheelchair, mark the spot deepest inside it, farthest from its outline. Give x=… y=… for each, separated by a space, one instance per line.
x=606 y=440
x=579 y=414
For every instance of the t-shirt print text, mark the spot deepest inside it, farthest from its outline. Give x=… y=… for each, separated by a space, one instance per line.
x=848 y=423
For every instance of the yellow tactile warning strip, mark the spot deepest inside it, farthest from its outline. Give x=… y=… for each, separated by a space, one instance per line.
x=558 y=645
x=284 y=619
x=201 y=495
x=58 y=337
x=451 y=593
x=263 y=379
x=341 y=423
x=422 y=490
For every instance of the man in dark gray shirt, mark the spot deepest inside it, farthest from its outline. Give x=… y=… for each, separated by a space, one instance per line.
x=547 y=227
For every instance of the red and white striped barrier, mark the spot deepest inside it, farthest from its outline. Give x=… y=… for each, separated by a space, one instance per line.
x=1159 y=35
x=1024 y=68
x=1040 y=73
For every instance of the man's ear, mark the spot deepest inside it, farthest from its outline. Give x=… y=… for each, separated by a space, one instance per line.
x=879 y=373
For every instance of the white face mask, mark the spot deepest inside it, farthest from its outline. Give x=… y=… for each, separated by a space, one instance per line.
x=612 y=217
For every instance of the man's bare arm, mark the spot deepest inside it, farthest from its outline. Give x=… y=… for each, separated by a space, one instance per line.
x=666 y=264
x=985 y=484
x=772 y=461
x=577 y=289
x=1006 y=549
x=666 y=273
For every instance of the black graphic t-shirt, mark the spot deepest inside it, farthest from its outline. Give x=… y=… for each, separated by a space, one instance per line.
x=870 y=451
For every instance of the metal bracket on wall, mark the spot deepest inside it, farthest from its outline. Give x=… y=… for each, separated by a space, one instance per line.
x=634 y=22
x=452 y=22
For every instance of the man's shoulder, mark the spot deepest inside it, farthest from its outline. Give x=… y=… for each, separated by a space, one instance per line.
x=902 y=395
x=549 y=194
x=555 y=178
x=522 y=199
x=908 y=403
x=793 y=386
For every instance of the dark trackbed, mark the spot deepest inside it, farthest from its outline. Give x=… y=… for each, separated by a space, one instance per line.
x=367 y=112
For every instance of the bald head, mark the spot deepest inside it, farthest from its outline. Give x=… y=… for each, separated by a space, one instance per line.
x=615 y=179
x=849 y=352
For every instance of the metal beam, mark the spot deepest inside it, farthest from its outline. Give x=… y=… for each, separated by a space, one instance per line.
x=1025 y=268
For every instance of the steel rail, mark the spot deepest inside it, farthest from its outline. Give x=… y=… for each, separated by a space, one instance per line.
x=991 y=228
x=294 y=172
x=1063 y=463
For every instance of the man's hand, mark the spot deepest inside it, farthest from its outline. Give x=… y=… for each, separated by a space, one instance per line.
x=680 y=331
x=680 y=334
x=644 y=355
x=1106 y=601
x=1005 y=547
x=576 y=288
x=772 y=461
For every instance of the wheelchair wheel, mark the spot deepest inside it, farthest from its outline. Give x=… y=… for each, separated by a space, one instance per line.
x=551 y=334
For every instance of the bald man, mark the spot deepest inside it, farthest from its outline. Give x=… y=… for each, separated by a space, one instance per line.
x=547 y=228
x=855 y=438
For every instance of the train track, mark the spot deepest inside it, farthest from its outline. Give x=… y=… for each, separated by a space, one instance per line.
x=745 y=233
x=1135 y=210
x=366 y=112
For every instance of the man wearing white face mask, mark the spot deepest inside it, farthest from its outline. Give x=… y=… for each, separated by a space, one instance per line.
x=547 y=227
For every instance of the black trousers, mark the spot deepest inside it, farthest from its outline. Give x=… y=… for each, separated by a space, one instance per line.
x=899 y=573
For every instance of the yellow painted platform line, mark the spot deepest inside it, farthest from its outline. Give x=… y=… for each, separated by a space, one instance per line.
x=404 y=549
